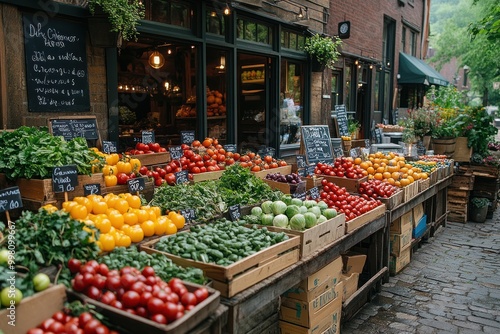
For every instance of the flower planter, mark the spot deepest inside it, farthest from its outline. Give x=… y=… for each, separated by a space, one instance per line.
x=445 y=146
x=478 y=215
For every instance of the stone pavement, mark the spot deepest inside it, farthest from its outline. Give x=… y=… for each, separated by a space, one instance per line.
x=452 y=285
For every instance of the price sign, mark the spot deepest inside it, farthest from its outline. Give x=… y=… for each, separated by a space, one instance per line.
x=270 y=151
x=300 y=195
x=10 y=199
x=235 y=212
x=342 y=120
x=189 y=214
x=302 y=172
x=378 y=135
x=317 y=143
x=181 y=177
x=136 y=185
x=175 y=152
x=337 y=152
x=91 y=189
x=148 y=137
x=187 y=137
x=230 y=147
x=64 y=178
x=109 y=146
x=301 y=161
x=314 y=193
x=310 y=169
x=354 y=152
x=368 y=143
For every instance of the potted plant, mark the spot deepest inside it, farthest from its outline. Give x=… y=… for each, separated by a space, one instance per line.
x=323 y=50
x=119 y=17
x=353 y=127
x=479 y=209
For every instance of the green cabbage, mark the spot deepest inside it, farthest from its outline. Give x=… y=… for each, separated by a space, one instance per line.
x=267 y=219
x=256 y=211
x=298 y=222
x=291 y=211
x=280 y=220
x=278 y=207
x=330 y=213
x=266 y=207
x=310 y=219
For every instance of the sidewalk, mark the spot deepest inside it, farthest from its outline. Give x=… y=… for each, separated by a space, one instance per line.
x=452 y=285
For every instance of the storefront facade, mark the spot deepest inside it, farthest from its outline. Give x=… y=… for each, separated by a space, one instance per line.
x=237 y=75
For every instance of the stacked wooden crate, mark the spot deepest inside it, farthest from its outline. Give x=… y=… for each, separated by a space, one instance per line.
x=486 y=185
x=458 y=194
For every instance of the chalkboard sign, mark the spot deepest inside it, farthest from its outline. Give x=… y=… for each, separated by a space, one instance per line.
x=270 y=151
x=342 y=120
x=300 y=195
x=56 y=64
x=338 y=152
x=64 y=178
x=230 y=147
x=109 y=146
x=301 y=161
x=188 y=214
x=135 y=185
x=302 y=172
x=148 y=137
x=310 y=169
x=181 y=177
x=314 y=192
x=354 y=152
x=176 y=152
x=317 y=143
x=378 y=135
x=234 y=212
x=187 y=137
x=91 y=189
x=10 y=199
x=368 y=143
x=74 y=126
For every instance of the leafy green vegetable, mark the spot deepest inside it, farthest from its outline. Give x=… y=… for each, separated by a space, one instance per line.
x=30 y=152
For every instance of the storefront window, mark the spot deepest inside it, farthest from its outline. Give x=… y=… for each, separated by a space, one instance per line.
x=215 y=21
x=172 y=12
x=347 y=87
x=291 y=40
x=254 y=32
x=291 y=97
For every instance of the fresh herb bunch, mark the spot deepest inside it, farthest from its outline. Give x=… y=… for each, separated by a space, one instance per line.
x=30 y=152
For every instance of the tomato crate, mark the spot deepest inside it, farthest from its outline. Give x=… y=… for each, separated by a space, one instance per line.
x=137 y=324
x=395 y=200
x=152 y=158
x=312 y=182
x=207 y=176
x=351 y=185
x=282 y=169
x=410 y=191
x=318 y=236
x=148 y=192
x=423 y=184
x=364 y=219
x=33 y=310
x=232 y=279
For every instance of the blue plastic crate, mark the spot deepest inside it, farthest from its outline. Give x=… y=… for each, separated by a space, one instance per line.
x=419 y=230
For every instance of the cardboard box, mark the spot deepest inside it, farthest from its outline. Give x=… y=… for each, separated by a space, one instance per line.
x=397 y=263
x=350 y=285
x=310 y=314
x=419 y=230
x=353 y=263
x=400 y=224
x=400 y=241
x=418 y=213
x=33 y=310
x=330 y=324
x=329 y=273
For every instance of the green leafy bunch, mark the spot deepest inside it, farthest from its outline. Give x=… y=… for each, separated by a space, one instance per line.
x=480 y=202
x=124 y=15
x=324 y=49
x=475 y=124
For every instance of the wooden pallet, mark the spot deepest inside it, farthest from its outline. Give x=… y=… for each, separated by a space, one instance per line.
x=232 y=279
x=458 y=193
x=485 y=171
x=457 y=217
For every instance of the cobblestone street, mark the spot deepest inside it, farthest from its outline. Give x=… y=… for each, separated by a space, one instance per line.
x=452 y=285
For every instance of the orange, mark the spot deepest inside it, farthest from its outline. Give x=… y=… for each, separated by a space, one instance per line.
x=380 y=170
x=395 y=175
x=386 y=175
x=404 y=182
x=357 y=161
x=370 y=170
x=364 y=165
x=378 y=176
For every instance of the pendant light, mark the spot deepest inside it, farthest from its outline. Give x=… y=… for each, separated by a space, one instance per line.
x=156 y=60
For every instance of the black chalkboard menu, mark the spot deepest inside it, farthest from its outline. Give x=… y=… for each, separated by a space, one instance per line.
x=342 y=120
x=109 y=146
x=74 y=126
x=56 y=64
x=317 y=143
x=10 y=199
x=378 y=135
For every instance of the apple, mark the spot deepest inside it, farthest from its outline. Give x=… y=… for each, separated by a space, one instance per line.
x=8 y=296
x=41 y=281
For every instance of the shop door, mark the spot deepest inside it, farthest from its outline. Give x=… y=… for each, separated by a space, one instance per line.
x=253 y=102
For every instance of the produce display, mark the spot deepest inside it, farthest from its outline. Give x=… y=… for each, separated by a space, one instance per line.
x=376 y=189
x=342 y=167
x=292 y=178
x=31 y=153
x=341 y=200
x=117 y=169
x=222 y=242
x=139 y=292
x=215 y=105
x=121 y=219
x=293 y=214
x=150 y=148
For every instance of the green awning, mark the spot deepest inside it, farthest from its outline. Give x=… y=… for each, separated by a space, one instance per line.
x=415 y=71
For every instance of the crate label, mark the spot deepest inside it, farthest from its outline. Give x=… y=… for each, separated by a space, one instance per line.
x=235 y=212
x=181 y=177
x=300 y=195
x=337 y=152
x=64 y=178
x=91 y=189
x=176 y=152
x=302 y=172
x=135 y=185
x=310 y=169
x=10 y=199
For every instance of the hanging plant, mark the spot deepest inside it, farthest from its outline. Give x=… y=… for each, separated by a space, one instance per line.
x=324 y=49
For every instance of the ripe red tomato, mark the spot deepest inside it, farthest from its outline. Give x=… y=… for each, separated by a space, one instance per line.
x=159 y=318
x=130 y=299
x=201 y=294
x=155 y=306
x=189 y=298
x=123 y=178
x=170 y=311
x=74 y=265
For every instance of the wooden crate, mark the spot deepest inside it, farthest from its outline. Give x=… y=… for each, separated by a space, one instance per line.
x=458 y=193
x=351 y=185
x=314 y=181
x=463 y=181
x=393 y=201
x=457 y=217
x=423 y=185
x=151 y=159
x=433 y=177
x=207 y=176
x=287 y=188
x=462 y=152
x=317 y=237
x=136 y=324
x=230 y=280
x=410 y=191
x=282 y=169
x=364 y=219
x=485 y=171
x=148 y=192
x=82 y=180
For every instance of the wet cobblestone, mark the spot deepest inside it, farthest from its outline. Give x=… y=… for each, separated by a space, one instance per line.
x=452 y=285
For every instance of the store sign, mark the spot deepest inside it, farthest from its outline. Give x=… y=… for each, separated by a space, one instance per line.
x=76 y=127
x=342 y=122
x=148 y=137
x=176 y=152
